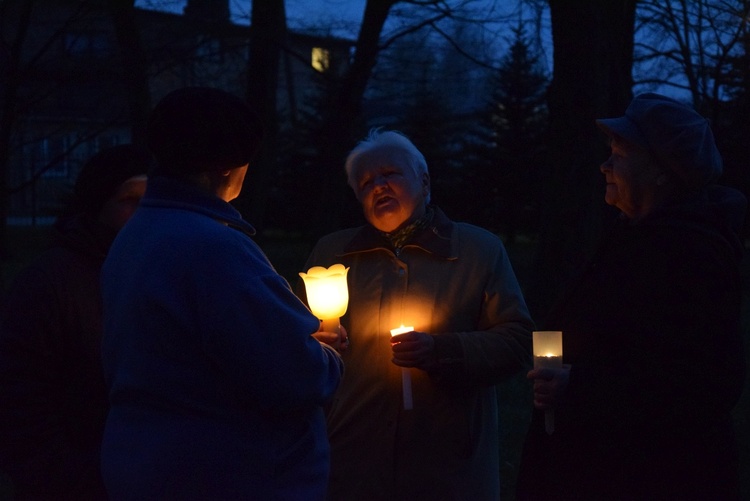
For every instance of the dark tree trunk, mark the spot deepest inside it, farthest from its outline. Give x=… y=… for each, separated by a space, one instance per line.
x=135 y=66
x=14 y=18
x=593 y=51
x=267 y=38
x=341 y=127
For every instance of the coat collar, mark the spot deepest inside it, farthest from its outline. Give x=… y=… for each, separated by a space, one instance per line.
x=434 y=239
x=164 y=192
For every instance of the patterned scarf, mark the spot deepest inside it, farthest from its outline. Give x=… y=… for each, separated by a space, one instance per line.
x=398 y=238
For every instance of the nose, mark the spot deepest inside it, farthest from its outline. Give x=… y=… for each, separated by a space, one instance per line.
x=606 y=166
x=379 y=181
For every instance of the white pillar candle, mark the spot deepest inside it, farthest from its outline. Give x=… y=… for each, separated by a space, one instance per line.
x=405 y=372
x=547 y=347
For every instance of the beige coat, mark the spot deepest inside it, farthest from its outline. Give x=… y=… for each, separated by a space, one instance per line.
x=453 y=280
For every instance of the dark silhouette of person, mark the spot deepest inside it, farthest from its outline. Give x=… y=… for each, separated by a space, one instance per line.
x=53 y=400
x=651 y=330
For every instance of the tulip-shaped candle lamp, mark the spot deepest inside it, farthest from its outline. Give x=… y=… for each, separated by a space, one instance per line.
x=327 y=294
x=548 y=353
x=405 y=373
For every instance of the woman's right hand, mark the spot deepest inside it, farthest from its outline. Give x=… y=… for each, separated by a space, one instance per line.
x=337 y=340
x=550 y=385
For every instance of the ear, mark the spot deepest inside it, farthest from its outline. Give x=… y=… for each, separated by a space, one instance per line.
x=225 y=173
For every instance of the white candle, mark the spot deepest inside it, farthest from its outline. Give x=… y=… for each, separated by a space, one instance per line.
x=547 y=348
x=405 y=372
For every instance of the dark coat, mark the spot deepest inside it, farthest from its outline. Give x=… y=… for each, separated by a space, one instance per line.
x=53 y=400
x=652 y=330
x=452 y=280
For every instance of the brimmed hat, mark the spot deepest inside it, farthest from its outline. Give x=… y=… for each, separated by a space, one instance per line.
x=679 y=137
x=200 y=129
x=103 y=173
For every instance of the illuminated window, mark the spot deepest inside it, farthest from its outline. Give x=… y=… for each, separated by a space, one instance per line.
x=321 y=59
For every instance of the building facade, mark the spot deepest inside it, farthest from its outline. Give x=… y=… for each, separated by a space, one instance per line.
x=64 y=93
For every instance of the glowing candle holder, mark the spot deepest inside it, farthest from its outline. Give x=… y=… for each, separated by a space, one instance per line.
x=548 y=350
x=405 y=372
x=327 y=294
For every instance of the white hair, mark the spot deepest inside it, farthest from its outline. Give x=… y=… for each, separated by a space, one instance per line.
x=385 y=142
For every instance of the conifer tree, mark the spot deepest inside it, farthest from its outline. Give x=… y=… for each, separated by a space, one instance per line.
x=513 y=132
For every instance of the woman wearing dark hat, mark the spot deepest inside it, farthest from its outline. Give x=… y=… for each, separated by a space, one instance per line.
x=216 y=382
x=651 y=329
x=53 y=401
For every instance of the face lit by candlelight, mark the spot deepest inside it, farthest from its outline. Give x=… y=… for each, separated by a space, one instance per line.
x=633 y=179
x=118 y=208
x=391 y=192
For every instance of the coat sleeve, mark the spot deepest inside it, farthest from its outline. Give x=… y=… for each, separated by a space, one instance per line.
x=262 y=336
x=500 y=346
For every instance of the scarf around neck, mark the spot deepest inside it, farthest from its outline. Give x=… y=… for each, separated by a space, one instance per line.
x=398 y=238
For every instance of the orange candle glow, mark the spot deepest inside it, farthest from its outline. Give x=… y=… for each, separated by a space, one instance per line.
x=327 y=294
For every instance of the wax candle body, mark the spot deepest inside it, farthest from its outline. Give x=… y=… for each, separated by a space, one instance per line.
x=405 y=372
x=550 y=361
x=547 y=347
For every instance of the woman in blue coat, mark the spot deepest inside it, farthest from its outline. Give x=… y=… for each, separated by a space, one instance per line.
x=216 y=382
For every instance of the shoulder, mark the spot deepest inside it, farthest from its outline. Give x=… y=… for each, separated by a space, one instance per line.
x=174 y=240
x=476 y=233
x=471 y=240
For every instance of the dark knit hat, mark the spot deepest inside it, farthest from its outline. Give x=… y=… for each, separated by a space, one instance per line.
x=678 y=136
x=103 y=173
x=199 y=129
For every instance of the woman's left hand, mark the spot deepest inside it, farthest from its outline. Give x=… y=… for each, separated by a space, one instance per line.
x=414 y=349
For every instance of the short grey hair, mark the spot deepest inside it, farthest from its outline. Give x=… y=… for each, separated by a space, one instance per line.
x=386 y=141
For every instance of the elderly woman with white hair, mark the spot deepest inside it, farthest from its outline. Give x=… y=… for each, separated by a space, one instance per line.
x=651 y=330
x=453 y=286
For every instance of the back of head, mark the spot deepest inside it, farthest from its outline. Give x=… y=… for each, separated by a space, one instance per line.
x=674 y=133
x=386 y=144
x=202 y=129
x=103 y=173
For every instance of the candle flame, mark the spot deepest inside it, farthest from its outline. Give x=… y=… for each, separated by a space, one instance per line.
x=401 y=330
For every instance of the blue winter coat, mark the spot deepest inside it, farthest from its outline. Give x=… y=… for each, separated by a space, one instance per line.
x=216 y=384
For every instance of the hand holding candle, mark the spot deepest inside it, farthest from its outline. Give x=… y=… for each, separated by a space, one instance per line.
x=405 y=374
x=327 y=294
x=547 y=347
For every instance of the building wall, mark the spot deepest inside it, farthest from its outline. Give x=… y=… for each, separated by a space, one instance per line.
x=72 y=100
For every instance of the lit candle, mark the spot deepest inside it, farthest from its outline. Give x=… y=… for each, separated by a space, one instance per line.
x=405 y=373
x=327 y=294
x=548 y=351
